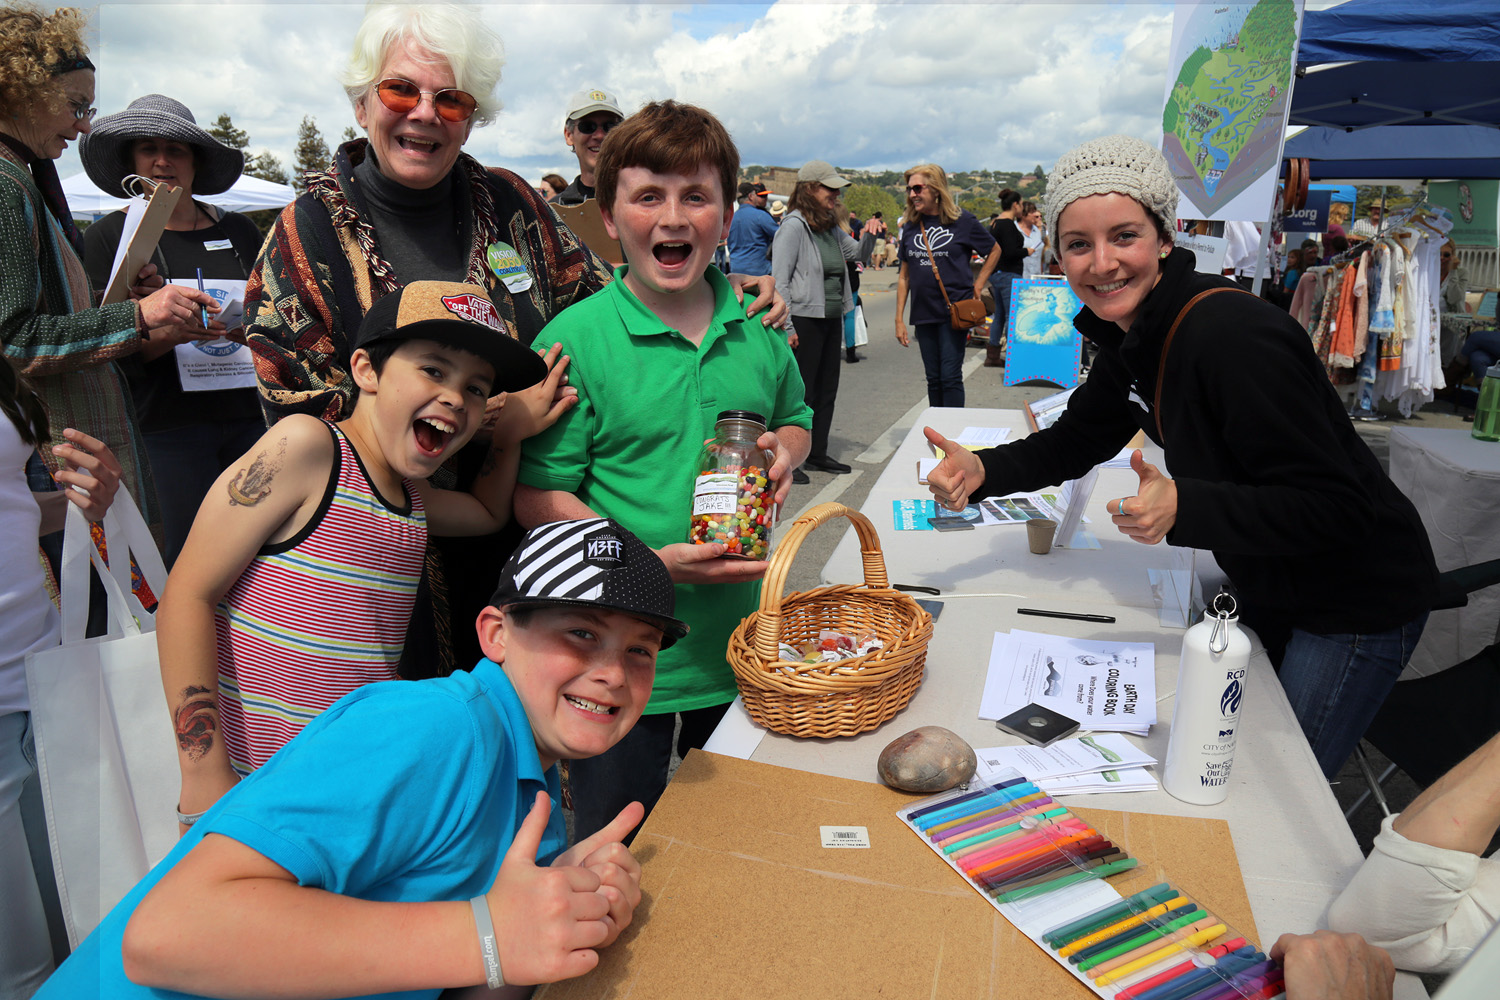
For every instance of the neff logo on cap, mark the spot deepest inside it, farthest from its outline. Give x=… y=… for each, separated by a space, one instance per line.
x=474 y=308
x=603 y=549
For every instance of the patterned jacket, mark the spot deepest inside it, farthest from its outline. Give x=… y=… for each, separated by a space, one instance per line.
x=312 y=275
x=50 y=329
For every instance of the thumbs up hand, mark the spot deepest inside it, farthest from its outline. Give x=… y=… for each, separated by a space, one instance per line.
x=548 y=921
x=619 y=872
x=1150 y=514
x=957 y=476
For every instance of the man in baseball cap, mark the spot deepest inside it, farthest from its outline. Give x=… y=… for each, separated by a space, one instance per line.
x=591 y=114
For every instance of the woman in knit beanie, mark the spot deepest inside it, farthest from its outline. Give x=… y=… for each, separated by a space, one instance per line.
x=1329 y=560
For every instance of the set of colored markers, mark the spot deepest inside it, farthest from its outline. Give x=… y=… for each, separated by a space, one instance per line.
x=1151 y=946
x=1012 y=841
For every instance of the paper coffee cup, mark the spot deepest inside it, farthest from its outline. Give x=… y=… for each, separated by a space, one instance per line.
x=1039 y=535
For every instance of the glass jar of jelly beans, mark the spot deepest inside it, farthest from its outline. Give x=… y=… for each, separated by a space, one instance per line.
x=732 y=493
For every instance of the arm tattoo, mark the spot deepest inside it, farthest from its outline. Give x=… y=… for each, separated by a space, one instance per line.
x=250 y=486
x=491 y=457
x=196 y=720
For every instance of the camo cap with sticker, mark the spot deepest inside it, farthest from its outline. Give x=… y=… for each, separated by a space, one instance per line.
x=593 y=562
x=458 y=315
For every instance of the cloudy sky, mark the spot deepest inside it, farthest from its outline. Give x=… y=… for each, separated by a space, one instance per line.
x=873 y=85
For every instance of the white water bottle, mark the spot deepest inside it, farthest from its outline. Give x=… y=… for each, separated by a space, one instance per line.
x=1205 y=720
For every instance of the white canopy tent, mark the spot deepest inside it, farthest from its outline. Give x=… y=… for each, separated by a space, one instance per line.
x=249 y=194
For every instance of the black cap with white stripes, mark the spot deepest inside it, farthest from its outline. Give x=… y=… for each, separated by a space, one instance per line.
x=593 y=562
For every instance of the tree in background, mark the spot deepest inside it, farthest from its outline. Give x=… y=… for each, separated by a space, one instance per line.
x=267 y=166
x=864 y=200
x=982 y=205
x=224 y=130
x=349 y=135
x=312 y=151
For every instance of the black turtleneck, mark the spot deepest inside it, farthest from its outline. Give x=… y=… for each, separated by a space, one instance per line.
x=417 y=229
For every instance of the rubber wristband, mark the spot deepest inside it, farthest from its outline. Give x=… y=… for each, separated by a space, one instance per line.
x=488 y=949
x=188 y=819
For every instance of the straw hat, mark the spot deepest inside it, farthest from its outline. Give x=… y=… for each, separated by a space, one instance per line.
x=103 y=149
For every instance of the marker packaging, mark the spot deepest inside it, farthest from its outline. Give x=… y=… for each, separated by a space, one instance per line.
x=1162 y=944
x=1047 y=869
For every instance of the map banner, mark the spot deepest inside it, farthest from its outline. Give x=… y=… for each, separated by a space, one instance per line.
x=1228 y=93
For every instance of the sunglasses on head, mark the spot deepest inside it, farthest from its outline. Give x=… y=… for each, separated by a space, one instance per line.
x=401 y=96
x=915 y=188
x=587 y=126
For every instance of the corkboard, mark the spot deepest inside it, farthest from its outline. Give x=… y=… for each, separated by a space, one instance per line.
x=740 y=898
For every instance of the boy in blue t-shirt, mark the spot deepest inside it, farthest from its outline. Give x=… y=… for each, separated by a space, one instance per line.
x=362 y=858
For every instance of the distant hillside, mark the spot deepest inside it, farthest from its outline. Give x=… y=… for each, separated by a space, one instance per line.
x=976 y=190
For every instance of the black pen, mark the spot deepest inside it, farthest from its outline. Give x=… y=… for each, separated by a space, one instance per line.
x=1071 y=616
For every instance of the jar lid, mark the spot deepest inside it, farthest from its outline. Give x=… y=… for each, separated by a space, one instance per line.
x=742 y=415
x=1493 y=371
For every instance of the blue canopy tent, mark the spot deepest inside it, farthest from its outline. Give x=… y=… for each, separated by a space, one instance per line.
x=1392 y=89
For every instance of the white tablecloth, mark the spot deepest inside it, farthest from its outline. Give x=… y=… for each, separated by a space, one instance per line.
x=1295 y=849
x=1454 y=480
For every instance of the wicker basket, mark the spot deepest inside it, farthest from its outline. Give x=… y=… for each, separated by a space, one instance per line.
x=829 y=699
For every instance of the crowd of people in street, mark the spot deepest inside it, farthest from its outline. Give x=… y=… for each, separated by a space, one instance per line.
x=440 y=381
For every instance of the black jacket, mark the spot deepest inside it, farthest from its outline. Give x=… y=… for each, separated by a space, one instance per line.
x=1270 y=473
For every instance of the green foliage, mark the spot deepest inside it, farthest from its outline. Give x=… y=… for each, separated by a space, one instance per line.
x=1192 y=64
x=312 y=151
x=864 y=200
x=1038 y=172
x=267 y=166
x=982 y=205
x=349 y=135
x=224 y=130
x=1169 y=116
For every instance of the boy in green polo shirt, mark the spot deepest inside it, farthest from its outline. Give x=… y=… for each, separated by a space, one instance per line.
x=656 y=355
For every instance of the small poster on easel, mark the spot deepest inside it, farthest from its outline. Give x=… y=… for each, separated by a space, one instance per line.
x=1044 y=347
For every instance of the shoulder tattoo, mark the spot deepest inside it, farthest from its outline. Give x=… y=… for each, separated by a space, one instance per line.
x=250 y=486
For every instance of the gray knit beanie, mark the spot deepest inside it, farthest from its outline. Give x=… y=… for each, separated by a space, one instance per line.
x=1115 y=164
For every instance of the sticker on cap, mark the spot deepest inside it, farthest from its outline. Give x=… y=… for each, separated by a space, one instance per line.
x=603 y=549
x=508 y=267
x=475 y=309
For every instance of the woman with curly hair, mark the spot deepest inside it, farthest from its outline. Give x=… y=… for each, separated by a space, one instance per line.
x=49 y=324
x=937 y=239
x=808 y=260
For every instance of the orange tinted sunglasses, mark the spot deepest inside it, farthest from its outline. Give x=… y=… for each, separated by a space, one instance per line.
x=402 y=95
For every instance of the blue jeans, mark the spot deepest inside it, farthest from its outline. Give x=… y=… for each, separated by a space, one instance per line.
x=1000 y=283
x=942 y=350
x=185 y=461
x=1336 y=684
x=25 y=949
x=1482 y=349
x=634 y=769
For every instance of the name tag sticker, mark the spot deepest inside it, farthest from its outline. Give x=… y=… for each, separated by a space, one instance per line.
x=508 y=267
x=217 y=245
x=845 y=836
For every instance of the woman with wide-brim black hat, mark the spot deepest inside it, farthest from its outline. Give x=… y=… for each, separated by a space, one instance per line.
x=50 y=325
x=197 y=415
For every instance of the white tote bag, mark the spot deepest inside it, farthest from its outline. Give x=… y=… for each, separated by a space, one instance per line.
x=861 y=331
x=106 y=755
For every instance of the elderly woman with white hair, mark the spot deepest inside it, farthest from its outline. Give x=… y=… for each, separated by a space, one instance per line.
x=404 y=204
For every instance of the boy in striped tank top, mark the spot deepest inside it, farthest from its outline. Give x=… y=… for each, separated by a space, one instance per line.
x=297 y=582
x=411 y=837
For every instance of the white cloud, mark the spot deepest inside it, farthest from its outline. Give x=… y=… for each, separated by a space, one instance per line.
x=872 y=85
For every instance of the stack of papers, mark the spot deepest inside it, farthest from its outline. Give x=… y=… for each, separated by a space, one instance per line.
x=1105 y=686
x=1104 y=763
